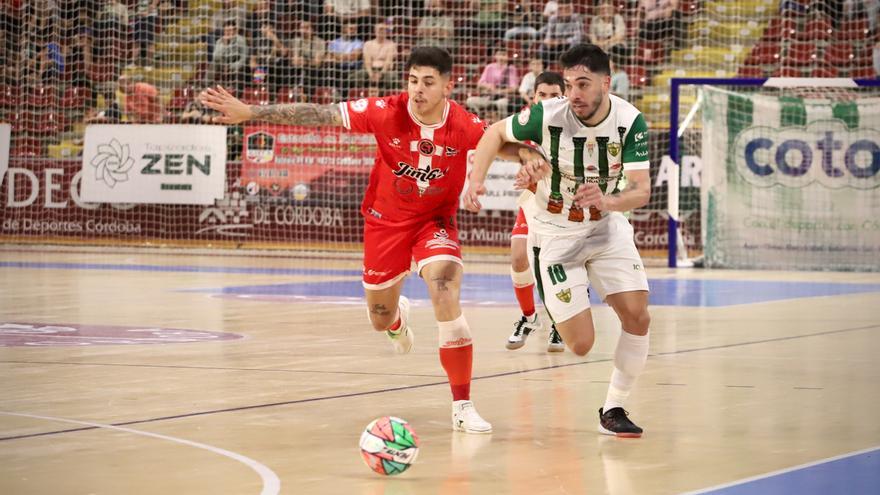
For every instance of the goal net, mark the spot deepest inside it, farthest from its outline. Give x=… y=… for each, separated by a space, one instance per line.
x=73 y=71
x=790 y=177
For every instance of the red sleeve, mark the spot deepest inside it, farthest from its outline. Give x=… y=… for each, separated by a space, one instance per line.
x=361 y=115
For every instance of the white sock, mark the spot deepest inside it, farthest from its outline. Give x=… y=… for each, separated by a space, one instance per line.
x=629 y=361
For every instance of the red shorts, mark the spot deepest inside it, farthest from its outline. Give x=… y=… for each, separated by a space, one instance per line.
x=520 y=227
x=389 y=251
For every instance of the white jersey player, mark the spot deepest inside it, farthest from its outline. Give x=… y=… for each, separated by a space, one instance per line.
x=579 y=234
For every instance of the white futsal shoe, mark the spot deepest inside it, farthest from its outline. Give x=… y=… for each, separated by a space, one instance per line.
x=466 y=418
x=402 y=339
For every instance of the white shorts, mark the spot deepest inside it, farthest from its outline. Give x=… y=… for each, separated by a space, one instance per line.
x=566 y=266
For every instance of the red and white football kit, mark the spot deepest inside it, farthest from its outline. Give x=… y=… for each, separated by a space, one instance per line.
x=411 y=202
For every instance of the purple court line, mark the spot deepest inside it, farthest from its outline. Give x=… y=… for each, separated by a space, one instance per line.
x=423 y=385
x=220 y=368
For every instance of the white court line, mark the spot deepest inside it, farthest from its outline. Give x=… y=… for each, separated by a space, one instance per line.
x=782 y=471
x=271 y=483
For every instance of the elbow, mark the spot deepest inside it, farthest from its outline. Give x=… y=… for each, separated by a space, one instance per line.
x=644 y=198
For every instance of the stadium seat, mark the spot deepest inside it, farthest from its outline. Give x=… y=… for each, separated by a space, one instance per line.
x=289 y=95
x=638 y=75
x=802 y=53
x=750 y=71
x=840 y=54
x=40 y=97
x=765 y=53
x=855 y=30
x=825 y=71
x=26 y=147
x=76 y=98
x=181 y=97
x=258 y=95
x=650 y=52
x=324 y=95
x=788 y=72
x=863 y=73
x=818 y=30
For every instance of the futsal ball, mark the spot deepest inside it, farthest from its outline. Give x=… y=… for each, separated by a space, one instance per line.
x=300 y=192
x=389 y=445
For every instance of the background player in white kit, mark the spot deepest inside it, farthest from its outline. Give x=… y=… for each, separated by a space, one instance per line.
x=547 y=85
x=579 y=235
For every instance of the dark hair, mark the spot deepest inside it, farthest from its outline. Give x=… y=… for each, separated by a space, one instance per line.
x=551 y=78
x=230 y=22
x=430 y=56
x=590 y=56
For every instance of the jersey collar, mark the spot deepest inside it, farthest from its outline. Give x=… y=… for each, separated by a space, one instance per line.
x=429 y=126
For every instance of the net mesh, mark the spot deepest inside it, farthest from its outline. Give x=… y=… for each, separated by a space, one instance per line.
x=68 y=63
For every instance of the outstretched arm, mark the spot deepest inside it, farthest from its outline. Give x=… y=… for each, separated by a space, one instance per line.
x=235 y=111
x=494 y=143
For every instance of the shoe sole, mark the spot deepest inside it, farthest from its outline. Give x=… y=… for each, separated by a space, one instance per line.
x=605 y=431
x=514 y=345
x=556 y=348
x=472 y=432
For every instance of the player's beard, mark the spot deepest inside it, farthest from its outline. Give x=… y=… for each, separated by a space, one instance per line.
x=597 y=104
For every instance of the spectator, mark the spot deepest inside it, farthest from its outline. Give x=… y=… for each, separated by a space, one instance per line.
x=342 y=12
x=261 y=14
x=229 y=59
x=379 y=57
x=111 y=115
x=661 y=20
x=498 y=84
x=489 y=21
x=144 y=20
x=563 y=30
x=229 y=9
x=619 y=81
x=269 y=57
x=525 y=22
x=345 y=54
x=195 y=113
x=551 y=8
x=436 y=28
x=527 y=85
x=608 y=30
x=307 y=53
x=142 y=104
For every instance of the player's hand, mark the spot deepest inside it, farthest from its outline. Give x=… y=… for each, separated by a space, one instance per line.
x=589 y=195
x=233 y=110
x=533 y=164
x=471 y=196
x=522 y=180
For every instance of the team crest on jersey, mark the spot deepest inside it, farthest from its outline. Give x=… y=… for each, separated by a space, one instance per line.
x=441 y=240
x=614 y=148
x=360 y=106
x=591 y=147
x=523 y=118
x=426 y=147
x=564 y=295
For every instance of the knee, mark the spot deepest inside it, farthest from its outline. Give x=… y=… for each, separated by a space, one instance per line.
x=581 y=347
x=636 y=322
x=519 y=262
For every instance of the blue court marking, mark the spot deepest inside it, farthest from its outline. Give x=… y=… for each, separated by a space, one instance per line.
x=497 y=289
x=486 y=289
x=853 y=473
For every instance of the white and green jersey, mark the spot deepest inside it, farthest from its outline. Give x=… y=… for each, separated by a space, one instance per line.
x=577 y=154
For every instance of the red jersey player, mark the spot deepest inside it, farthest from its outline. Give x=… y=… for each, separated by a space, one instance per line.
x=424 y=141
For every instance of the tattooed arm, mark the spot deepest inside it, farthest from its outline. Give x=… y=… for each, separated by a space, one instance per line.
x=234 y=111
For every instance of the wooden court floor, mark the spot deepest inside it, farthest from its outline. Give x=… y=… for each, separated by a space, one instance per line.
x=153 y=373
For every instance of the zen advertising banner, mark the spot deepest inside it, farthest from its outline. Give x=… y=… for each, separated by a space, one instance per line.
x=791 y=182
x=154 y=164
